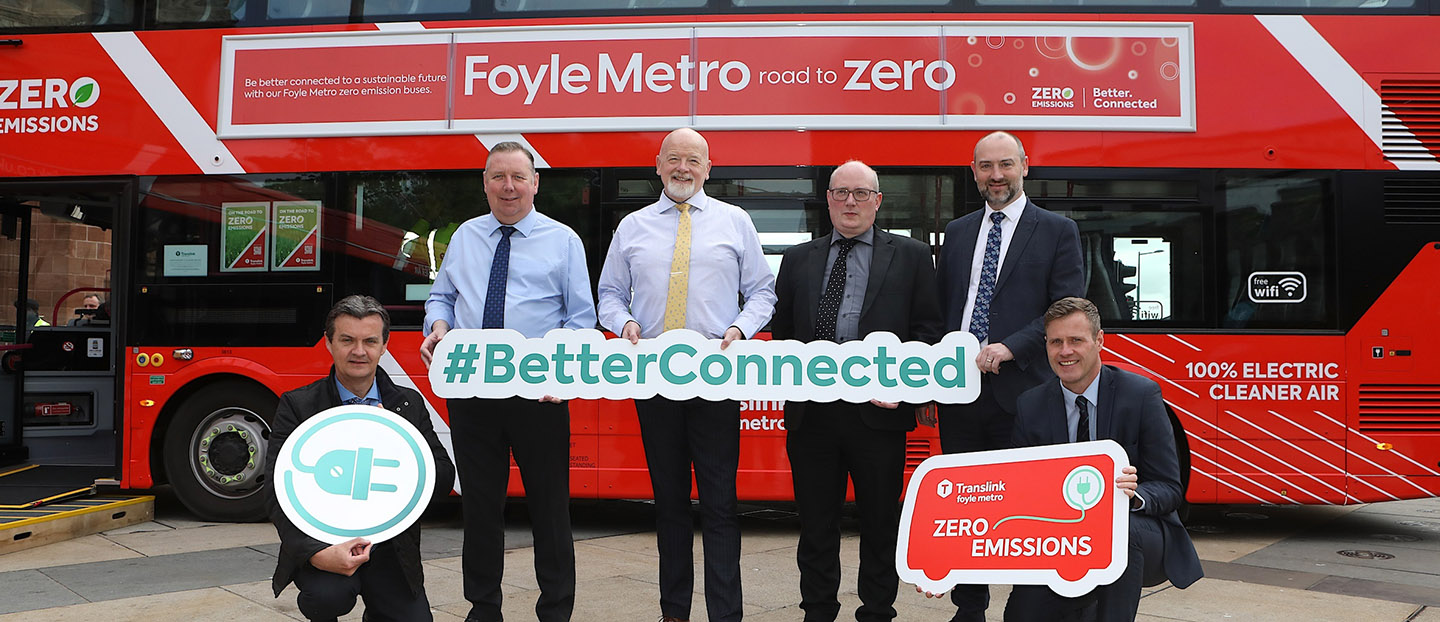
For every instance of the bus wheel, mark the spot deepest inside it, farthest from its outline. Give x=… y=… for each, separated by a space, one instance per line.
x=215 y=451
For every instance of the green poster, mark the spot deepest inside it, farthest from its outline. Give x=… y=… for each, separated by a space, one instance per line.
x=244 y=229
x=297 y=235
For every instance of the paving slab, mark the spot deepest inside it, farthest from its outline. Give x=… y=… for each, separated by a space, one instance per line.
x=1212 y=599
x=91 y=548
x=210 y=605
x=170 y=573
x=200 y=537
x=23 y=590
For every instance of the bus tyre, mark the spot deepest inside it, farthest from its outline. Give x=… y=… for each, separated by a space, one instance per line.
x=215 y=451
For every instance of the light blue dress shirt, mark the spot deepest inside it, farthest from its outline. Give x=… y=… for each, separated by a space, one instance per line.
x=548 y=285
x=727 y=262
x=372 y=397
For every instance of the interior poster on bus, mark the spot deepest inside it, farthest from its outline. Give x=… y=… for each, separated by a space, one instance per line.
x=296 y=234
x=244 y=235
x=616 y=77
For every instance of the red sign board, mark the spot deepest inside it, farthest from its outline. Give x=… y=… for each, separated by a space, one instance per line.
x=1033 y=516
x=877 y=75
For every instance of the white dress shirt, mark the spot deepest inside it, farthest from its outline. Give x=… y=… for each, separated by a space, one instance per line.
x=977 y=262
x=727 y=263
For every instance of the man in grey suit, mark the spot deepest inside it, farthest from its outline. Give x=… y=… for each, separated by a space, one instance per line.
x=999 y=269
x=839 y=287
x=1090 y=401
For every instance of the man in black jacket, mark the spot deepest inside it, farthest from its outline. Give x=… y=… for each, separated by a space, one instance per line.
x=388 y=575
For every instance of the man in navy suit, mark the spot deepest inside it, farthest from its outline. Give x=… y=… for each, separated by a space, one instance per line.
x=856 y=280
x=999 y=269
x=1090 y=401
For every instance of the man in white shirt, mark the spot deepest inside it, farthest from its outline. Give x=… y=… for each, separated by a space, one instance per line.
x=684 y=262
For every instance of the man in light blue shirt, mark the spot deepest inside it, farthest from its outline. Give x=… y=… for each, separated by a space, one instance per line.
x=512 y=268
x=684 y=262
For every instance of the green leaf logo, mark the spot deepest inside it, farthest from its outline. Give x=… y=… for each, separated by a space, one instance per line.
x=84 y=92
x=1067 y=93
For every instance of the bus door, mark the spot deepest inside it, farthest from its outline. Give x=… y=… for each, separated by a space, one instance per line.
x=14 y=236
x=66 y=324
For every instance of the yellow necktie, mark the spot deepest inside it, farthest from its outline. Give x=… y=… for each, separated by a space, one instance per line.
x=679 y=272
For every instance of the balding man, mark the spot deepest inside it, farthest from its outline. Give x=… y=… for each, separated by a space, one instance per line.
x=684 y=262
x=840 y=287
x=999 y=270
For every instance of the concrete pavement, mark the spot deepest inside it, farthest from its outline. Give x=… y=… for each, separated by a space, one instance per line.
x=1375 y=562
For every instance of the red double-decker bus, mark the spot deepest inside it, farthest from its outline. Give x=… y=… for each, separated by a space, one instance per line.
x=1255 y=183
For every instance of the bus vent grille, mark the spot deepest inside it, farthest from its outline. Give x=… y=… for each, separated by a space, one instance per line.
x=915 y=453
x=1410 y=119
x=1412 y=200
x=1405 y=408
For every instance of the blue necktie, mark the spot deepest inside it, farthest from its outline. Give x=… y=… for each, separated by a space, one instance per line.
x=1082 y=429
x=499 y=274
x=363 y=400
x=980 y=317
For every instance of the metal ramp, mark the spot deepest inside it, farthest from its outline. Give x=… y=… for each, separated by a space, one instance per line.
x=41 y=504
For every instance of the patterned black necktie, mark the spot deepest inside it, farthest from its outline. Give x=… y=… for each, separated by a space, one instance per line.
x=834 y=291
x=1082 y=429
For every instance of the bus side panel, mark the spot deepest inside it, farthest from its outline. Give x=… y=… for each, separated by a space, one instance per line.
x=1394 y=431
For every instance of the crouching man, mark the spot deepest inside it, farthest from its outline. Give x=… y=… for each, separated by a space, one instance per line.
x=387 y=575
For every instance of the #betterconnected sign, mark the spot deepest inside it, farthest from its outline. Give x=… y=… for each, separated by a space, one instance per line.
x=1047 y=515
x=682 y=364
x=354 y=471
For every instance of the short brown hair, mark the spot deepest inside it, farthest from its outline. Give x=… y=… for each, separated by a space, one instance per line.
x=510 y=146
x=358 y=307
x=1074 y=304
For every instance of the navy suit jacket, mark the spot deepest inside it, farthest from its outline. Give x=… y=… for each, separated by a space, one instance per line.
x=1131 y=413
x=1041 y=266
x=900 y=297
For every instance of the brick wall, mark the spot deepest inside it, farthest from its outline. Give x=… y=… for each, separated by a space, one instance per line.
x=63 y=256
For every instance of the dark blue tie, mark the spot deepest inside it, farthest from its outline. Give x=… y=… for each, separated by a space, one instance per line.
x=363 y=400
x=499 y=274
x=980 y=317
x=1082 y=429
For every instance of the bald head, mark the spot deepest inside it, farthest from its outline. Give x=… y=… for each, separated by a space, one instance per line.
x=856 y=167
x=683 y=163
x=1001 y=139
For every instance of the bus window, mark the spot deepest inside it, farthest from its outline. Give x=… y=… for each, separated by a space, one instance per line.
x=519 y=6
x=309 y=9
x=66 y=14
x=1141 y=264
x=206 y=12
x=1334 y=4
x=387 y=8
x=1279 y=250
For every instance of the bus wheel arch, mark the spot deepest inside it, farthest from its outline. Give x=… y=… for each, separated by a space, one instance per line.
x=213 y=444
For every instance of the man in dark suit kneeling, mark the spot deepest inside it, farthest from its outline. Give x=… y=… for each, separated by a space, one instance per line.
x=1091 y=401
x=387 y=575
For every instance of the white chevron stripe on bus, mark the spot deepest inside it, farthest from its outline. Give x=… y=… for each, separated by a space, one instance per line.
x=1152 y=373
x=1184 y=343
x=1342 y=448
x=174 y=110
x=1372 y=441
x=1253 y=466
x=1372 y=462
x=1275 y=458
x=1146 y=348
x=1277 y=437
x=1203 y=440
x=1237 y=488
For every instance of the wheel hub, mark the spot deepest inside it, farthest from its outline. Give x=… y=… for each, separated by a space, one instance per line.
x=229 y=452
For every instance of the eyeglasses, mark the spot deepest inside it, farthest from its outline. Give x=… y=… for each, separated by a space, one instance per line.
x=861 y=194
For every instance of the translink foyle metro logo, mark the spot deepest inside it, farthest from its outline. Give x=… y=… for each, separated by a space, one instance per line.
x=682 y=364
x=354 y=471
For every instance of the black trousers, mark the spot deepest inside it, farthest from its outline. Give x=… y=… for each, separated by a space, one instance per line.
x=326 y=596
x=981 y=425
x=1117 y=602
x=484 y=434
x=705 y=435
x=834 y=443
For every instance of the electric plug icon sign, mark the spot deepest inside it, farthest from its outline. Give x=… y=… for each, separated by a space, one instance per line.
x=1083 y=488
x=347 y=473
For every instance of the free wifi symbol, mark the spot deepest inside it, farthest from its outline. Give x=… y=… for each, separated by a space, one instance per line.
x=1290 y=285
